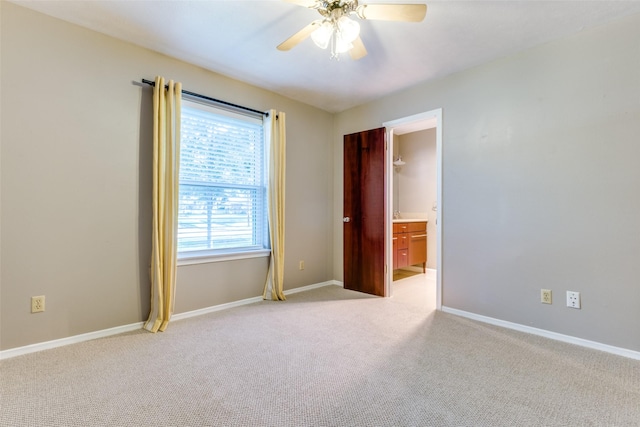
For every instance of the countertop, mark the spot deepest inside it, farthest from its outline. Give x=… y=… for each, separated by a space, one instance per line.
x=399 y=220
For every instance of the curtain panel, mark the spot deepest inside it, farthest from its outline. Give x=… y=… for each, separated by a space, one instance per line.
x=276 y=140
x=166 y=163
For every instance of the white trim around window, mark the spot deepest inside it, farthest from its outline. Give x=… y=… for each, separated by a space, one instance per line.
x=206 y=258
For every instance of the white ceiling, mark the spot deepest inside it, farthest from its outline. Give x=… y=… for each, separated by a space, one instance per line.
x=239 y=38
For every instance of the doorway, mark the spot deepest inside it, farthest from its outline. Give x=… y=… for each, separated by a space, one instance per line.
x=407 y=125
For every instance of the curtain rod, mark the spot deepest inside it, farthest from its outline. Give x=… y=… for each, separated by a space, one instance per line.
x=229 y=104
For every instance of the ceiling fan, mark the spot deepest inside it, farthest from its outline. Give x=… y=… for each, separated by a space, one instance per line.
x=341 y=33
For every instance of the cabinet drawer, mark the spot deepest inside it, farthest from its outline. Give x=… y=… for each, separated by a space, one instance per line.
x=400 y=227
x=402 y=241
x=417 y=227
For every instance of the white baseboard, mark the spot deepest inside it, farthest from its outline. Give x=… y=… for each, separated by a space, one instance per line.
x=32 y=348
x=631 y=354
x=246 y=301
x=314 y=286
x=214 y=308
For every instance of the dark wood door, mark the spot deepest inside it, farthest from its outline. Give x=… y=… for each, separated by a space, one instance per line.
x=364 y=212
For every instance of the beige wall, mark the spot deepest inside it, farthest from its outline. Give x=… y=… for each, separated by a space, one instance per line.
x=541 y=184
x=75 y=183
x=416 y=182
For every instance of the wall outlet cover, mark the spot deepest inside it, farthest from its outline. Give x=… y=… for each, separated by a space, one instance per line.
x=545 y=296
x=573 y=299
x=37 y=304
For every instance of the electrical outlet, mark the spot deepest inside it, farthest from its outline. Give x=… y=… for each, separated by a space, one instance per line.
x=301 y=265
x=545 y=296
x=573 y=299
x=37 y=304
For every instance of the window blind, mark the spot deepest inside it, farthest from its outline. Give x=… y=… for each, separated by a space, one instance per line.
x=222 y=181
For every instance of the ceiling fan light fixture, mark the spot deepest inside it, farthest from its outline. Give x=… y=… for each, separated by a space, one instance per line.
x=322 y=36
x=342 y=45
x=339 y=33
x=348 y=29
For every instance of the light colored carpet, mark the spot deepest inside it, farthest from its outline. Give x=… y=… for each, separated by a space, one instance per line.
x=327 y=357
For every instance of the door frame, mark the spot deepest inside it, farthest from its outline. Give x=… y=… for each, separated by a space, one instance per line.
x=414 y=123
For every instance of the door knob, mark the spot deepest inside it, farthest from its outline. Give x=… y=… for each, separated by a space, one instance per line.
x=346 y=219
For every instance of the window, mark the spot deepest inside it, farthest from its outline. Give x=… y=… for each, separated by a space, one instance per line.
x=222 y=201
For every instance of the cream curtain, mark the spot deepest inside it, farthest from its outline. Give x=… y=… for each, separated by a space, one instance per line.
x=166 y=162
x=275 y=126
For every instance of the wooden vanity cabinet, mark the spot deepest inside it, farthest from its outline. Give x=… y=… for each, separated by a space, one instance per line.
x=409 y=244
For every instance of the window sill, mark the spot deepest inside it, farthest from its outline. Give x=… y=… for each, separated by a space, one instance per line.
x=231 y=256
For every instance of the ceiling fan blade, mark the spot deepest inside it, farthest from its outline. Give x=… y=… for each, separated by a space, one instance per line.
x=393 y=12
x=299 y=36
x=358 y=51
